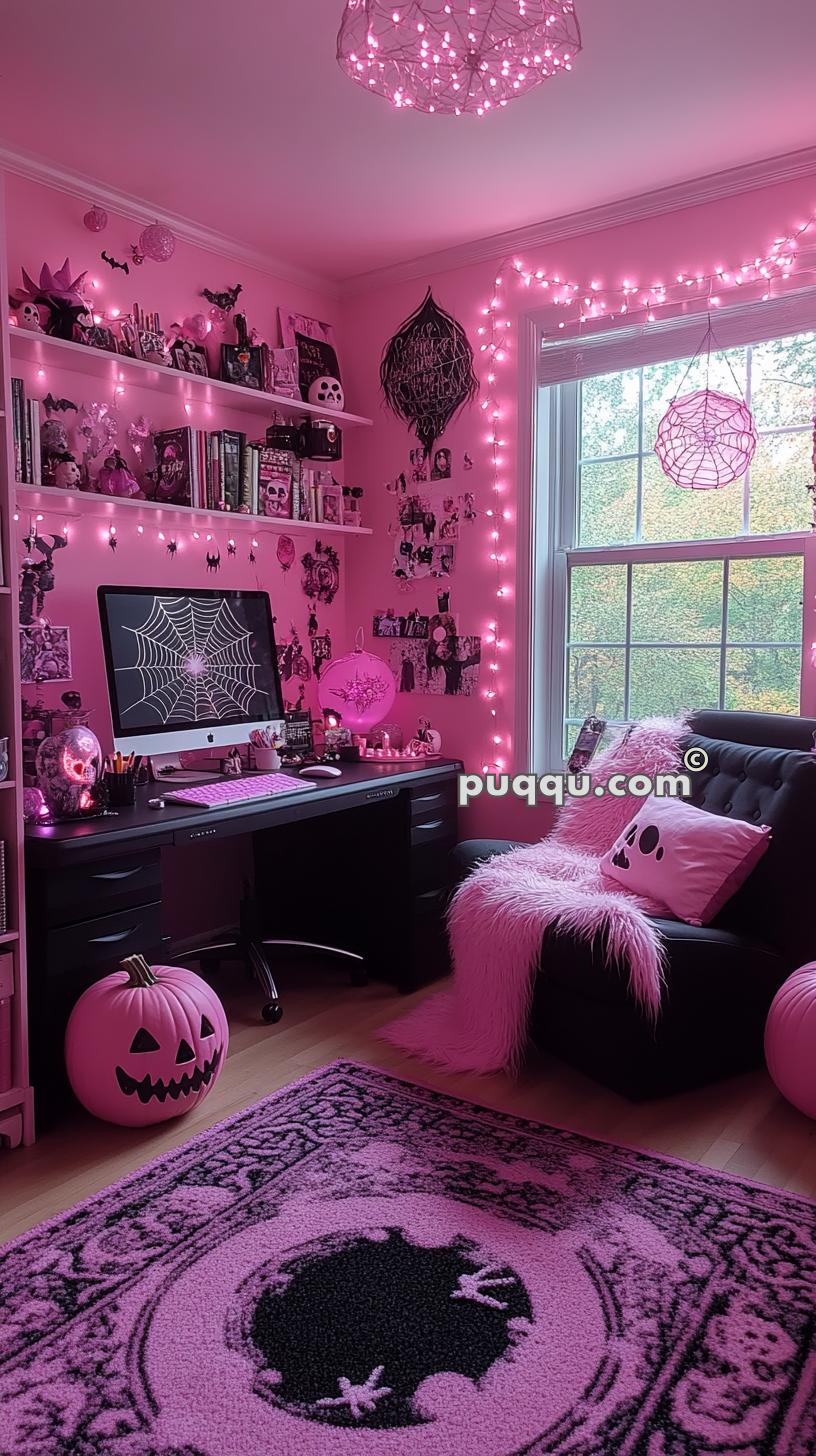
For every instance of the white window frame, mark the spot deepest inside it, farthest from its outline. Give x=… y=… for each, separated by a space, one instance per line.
x=554 y=514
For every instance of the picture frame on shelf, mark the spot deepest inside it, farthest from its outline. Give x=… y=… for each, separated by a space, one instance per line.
x=331 y=504
x=316 y=347
x=98 y=336
x=190 y=358
x=247 y=365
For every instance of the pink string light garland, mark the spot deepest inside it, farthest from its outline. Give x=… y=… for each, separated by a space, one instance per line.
x=593 y=303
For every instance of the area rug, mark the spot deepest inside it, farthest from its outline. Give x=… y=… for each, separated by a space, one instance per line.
x=361 y=1267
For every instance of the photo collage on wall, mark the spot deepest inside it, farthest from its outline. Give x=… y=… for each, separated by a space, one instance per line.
x=432 y=509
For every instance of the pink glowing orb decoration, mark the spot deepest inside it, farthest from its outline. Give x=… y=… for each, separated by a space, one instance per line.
x=790 y=1039
x=456 y=56
x=96 y=219
x=157 y=243
x=360 y=687
x=705 y=440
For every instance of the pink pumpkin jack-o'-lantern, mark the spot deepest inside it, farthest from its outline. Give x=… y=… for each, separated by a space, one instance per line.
x=145 y=1044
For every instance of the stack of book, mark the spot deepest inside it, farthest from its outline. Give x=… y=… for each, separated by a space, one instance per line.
x=220 y=470
x=26 y=425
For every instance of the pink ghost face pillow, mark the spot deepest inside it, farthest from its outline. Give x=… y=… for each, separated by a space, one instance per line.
x=690 y=861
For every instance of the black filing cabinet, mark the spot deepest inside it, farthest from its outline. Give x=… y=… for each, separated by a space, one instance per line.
x=82 y=920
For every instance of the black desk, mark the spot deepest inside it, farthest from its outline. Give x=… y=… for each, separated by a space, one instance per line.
x=361 y=861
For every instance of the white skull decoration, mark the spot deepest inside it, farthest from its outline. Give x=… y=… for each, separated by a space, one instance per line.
x=28 y=317
x=328 y=392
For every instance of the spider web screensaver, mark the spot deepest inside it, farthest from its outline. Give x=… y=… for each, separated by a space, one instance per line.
x=195 y=657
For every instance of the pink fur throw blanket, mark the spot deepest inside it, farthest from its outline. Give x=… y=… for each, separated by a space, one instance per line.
x=498 y=916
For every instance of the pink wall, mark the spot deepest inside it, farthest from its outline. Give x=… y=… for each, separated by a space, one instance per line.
x=36 y=213
x=695 y=239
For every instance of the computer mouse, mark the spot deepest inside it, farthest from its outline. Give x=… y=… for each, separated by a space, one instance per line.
x=156 y=804
x=321 y=771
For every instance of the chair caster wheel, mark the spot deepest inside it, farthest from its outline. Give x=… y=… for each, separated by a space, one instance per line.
x=272 y=1012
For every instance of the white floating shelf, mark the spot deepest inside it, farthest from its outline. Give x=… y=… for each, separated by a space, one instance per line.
x=69 y=503
x=119 y=369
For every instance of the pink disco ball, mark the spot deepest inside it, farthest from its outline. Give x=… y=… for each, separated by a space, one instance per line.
x=157 y=242
x=360 y=687
x=790 y=1039
x=705 y=440
x=96 y=219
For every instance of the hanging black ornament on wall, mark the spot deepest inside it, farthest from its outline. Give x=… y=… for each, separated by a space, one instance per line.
x=426 y=371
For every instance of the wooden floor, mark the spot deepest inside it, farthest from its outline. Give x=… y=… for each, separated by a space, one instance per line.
x=742 y=1125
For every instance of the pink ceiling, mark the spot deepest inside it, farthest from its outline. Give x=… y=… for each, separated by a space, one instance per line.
x=236 y=115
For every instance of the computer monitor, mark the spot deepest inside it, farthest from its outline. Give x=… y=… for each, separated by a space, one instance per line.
x=194 y=668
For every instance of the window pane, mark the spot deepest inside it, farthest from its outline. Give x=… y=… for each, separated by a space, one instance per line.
x=763 y=679
x=783 y=373
x=781 y=471
x=670 y=679
x=610 y=404
x=677 y=601
x=598 y=604
x=670 y=513
x=595 y=682
x=765 y=600
x=608 y=503
x=662 y=382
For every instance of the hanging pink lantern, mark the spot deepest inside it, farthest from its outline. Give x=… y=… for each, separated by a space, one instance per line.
x=705 y=440
x=360 y=687
x=157 y=242
x=96 y=219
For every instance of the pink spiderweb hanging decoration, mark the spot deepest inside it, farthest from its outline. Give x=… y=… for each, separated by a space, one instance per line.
x=456 y=56
x=706 y=439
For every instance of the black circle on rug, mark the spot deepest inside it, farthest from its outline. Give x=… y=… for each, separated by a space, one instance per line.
x=345 y=1330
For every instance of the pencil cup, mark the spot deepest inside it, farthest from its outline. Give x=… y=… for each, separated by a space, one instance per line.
x=266 y=759
x=120 y=788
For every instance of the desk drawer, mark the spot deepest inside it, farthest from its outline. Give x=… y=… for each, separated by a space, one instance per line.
x=433 y=800
x=104 y=941
x=430 y=865
x=103 y=886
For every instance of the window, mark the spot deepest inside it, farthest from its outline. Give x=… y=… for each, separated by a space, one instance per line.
x=659 y=598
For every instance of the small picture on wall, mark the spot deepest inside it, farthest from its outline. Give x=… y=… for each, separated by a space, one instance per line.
x=443 y=558
x=315 y=344
x=448 y=523
x=453 y=666
x=45 y=653
x=441 y=467
x=419 y=465
x=411 y=624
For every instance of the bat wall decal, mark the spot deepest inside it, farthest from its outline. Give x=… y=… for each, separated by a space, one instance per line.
x=113 y=263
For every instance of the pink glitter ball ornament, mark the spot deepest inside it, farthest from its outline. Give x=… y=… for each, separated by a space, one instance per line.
x=705 y=440
x=440 y=55
x=96 y=219
x=157 y=242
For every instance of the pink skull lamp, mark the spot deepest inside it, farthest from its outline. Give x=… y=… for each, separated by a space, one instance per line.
x=68 y=766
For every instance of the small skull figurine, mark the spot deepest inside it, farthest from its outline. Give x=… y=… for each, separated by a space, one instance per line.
x=67 y=474
x=28 y=317
x=328 y=392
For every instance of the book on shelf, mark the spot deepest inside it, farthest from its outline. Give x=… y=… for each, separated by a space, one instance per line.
x=233 y=442
x=26 y=435
x=175 y=456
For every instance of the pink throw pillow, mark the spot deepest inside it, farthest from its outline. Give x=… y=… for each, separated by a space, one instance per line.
x=690 y=861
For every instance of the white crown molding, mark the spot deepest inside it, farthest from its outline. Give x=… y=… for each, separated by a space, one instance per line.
x=693 y=193
x=87 y=189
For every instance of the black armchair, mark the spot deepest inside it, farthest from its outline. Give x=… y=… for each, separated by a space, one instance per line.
x=721 y=978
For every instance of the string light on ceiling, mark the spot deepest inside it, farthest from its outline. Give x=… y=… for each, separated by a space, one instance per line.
x=456 y=56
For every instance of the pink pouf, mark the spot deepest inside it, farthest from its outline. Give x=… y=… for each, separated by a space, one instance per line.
x=790 y=1039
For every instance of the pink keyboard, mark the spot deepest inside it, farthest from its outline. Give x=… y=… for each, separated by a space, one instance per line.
x=228 y=792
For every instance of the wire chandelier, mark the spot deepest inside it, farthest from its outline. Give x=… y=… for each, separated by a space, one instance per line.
x=456 y=56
